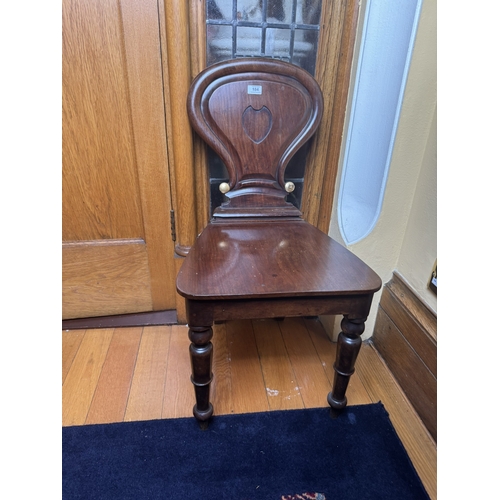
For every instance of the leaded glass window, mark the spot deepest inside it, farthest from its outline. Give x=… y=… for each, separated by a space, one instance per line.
x=287 y=30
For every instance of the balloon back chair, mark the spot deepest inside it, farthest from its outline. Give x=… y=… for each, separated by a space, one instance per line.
x=258 y=257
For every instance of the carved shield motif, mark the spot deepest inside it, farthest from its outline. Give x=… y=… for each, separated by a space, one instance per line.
x=257 y=123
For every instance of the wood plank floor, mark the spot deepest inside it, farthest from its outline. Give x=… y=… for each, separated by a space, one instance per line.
x=127 y=374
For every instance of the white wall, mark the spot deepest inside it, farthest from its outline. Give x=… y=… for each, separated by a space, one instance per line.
x=419 y=249
x=404 y=237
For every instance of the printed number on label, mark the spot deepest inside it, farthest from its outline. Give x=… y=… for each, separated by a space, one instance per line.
x=255 y=89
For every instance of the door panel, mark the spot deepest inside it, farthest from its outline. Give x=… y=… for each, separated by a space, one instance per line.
x=117 y=247
x=100 y=190
x=106 y=277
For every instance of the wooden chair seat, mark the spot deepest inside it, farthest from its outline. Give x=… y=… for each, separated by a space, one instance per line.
x=257 y=257
x=265 y=260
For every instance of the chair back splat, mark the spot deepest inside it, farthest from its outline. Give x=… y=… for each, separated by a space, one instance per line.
x=255 y=114
x=257 y=257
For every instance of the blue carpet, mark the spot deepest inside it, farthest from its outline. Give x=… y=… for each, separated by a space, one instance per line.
x=267 y=455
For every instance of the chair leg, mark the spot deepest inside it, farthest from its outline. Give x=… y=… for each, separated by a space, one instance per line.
x=201 y=365
x=349 y=343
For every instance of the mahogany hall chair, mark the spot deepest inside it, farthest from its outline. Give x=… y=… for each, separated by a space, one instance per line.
x=257 y=257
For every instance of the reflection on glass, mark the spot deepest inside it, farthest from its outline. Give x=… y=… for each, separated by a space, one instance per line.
x=280 y=11
x=248 y=10
x=277 y=42
x=218 y=36
x=303 y=58
x=287 y=30
x=248 y=40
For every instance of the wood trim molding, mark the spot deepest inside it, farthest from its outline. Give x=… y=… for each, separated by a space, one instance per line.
x=197 y=30
x=405 y=335
x=178 y=55
x=144 y=64
x=333 y=73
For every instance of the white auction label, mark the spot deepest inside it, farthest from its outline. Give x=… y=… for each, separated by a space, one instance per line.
x=255 y=89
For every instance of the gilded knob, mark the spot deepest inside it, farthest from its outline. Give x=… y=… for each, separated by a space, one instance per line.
x=289 y=187
x=224 y=187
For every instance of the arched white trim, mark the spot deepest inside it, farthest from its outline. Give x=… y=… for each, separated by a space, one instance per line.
x=384 y=59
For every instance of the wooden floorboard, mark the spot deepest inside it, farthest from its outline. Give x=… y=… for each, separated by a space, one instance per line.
x=280 y=383
x=125 y=374
x=83 y=375
x=148 y=383
x=310 y=374
x=221 y=394
x=112 y=392
x=71 y=341
x=245 y=365
x=178 y=394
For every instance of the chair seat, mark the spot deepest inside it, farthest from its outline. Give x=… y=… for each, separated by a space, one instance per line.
x=271 y=259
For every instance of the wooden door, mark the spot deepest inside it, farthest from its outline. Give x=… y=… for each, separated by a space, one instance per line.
x=118 y=253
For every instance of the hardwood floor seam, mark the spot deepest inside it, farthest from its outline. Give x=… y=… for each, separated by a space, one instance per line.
x=132 y=377
x=166 y=375
x=98 y=379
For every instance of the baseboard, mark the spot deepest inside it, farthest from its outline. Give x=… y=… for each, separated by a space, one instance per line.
x=153 y=318
x=405 y=335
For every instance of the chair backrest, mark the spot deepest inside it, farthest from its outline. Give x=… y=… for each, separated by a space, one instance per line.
x=255 y=114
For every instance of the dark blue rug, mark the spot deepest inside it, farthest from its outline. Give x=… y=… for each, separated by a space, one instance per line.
x=242 y=457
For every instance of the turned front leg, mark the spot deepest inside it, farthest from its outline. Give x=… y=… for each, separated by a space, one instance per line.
x=201 y=365
x=348 y=345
